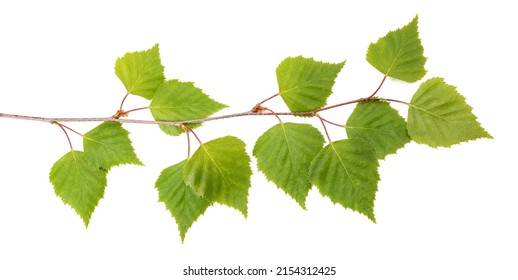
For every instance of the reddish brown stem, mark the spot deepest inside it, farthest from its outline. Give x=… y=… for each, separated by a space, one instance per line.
x=271 y=97
x=337 y=105
x=66 y=134
x=123 y=99
x=275 y=114
x=330 y=122
x=62 y=125
x=376 y=91
x=325 y=128
x=187 y=131
x=136 y=109
x=193 y=133
x=398 y=101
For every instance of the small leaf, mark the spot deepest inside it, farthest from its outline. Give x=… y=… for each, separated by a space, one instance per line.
x=439 y=116
x=305 y=84
x=380 y=124
x=284 y=154
x=346 y=171
x=78 y=184
x=399 y=54
x=108 y=145
x=180 y=200
x=141 y=72
x=180 y=101
x=220 y=171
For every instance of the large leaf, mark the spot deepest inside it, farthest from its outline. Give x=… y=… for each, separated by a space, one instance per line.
x=305 y=84
x=78 y=183
x=220 y=171
x=284 y=154
x=399 y=54
x=180 y=101
x=380 y=124
x=180 y=200
x=141 y=72
x=439 y=116
x=346 y=171
x=108 y=145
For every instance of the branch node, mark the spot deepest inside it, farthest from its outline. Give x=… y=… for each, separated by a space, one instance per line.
x=120 y=113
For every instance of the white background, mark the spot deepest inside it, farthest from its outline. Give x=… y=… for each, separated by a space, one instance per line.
x=442 y=213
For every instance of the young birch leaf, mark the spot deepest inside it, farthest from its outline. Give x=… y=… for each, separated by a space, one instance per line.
x=220 y=172
x=380 y=124
x=284 y=153
x=399 y=54
x=141 y=72
x=439 y=116
x=78 y=184
x=346 y=171
x=180 y=101
x=180 y=200
x=305 y=84
x=108 y=145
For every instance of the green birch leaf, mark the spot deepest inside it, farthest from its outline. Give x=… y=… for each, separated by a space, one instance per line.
x=305 y=84
x=78 y=184
x=141 y=72
x=179 y=199
x=284 y=153
x=346 y=171
x=439 y=116
x=220 y=172
x=108 y=145
x=399 y=54
x=380 y=124
x=180 y=101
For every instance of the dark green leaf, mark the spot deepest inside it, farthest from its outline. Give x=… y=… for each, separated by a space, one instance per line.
x=399 y=54
x=180 y=200
x=346 y=171
x=439 y=116
x=380 y=124
x=284 y=154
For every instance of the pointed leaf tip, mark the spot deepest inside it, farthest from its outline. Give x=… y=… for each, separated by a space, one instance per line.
x=108 y=145
x=304 y=83
x=78 y=184
x=439 y=116
x=141 y=72
x=284 y=153
x=346 y=171
x=399 y=54
x=185 y=206
x=180 y=101
x=220 y=172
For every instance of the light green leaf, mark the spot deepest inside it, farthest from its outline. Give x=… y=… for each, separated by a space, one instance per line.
x=78 y=184
x=180 y=101
x=284 y=154
x=305 y=84
x=399 y=54
x=439 y=116
x=346 y=171
x=380 y=124
x=180 y=200
x=108 y=145
x=141 y=72
x=220 y=171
